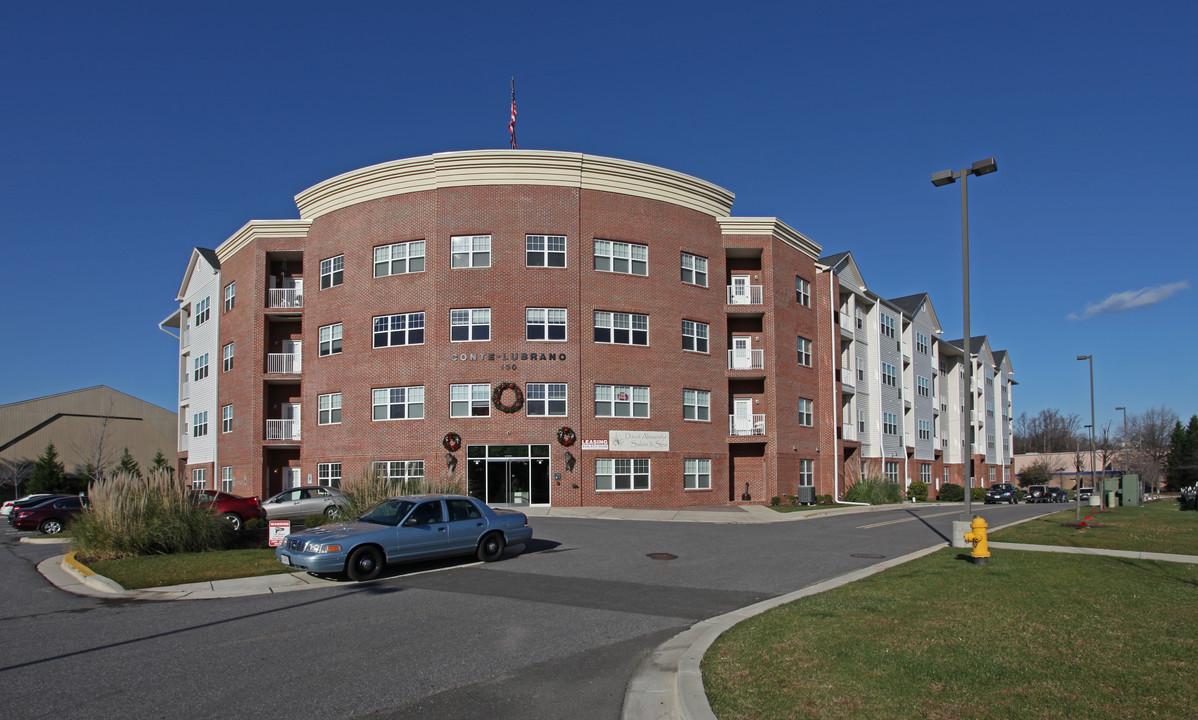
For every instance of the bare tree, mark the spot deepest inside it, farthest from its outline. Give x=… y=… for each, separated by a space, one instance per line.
x=97 y=450
x=14 y=473
x=1048 y=431
x=1149 y=434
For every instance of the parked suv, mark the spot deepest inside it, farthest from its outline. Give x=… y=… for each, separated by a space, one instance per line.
x=1036 y=494
x=1057 y=495
x=1002 y=492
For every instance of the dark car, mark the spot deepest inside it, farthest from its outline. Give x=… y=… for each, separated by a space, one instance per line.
x=236 y=509
x=1057 y=495
x=408 y=527
x=1002 y=492
x=1036 y=494
x=49 y=516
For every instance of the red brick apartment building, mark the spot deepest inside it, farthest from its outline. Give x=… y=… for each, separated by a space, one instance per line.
x=553 y=328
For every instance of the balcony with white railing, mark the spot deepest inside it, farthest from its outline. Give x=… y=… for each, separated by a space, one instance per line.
x=282 y=429
x=185 y=336
x=849 y=431
x=847 y=328
x=746 y=425
x=285 y=298
x=746 y=359
x=283 y=363
x=744 y=295
x=183 y=442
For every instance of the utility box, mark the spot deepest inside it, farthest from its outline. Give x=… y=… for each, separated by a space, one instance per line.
x=1132 y=489
x=806 y=495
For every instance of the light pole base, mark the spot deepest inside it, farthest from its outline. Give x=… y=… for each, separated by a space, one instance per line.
x=960 y=527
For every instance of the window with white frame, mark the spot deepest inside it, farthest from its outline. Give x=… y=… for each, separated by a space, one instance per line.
x=545 y=399
x=923 y=386
x=622 y=473
x=991 y=476
x=1006 y=474
x=861 y=421
x=545 y=250
x=398 y=403
x=200 y=367
x=621 y=328
x=887 y=325
x=621 y=257
x=199 y=479
x=803 y=292
x=621 y=401
x=694 y=336
x=925 y=429
x=694 y=269
x=696 y=405
x=990 y=441
x=892 y=471
x=399 y=472
x=889 y=375
x=203 y=312
x=470 y=324
x=399 y=258
x=470 y=400
x=331 y=271
x=330 y=339
x=804 y=352
x=890 y=423
x=860 y=318
x=226 y=479
x=471 y=251
x=921 y=343
x=925 y=473
x=396 y=330
x=946 y=475
x=806 y=473
x=328 y=474
x=226 y=357
x=230 y=295
x=328 y=409
x=226 y=418
x=199 y=424
x=545 y=324
x=806 y=412
x=696 y=474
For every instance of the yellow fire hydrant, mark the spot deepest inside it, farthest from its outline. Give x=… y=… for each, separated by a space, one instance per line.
x=977 y=536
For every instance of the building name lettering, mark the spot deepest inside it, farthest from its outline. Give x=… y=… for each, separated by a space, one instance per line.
x=506 y=357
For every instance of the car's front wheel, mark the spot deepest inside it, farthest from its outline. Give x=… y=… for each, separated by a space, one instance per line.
x=234 y=520
x=332 y=511
x=490 y=548
x=51 y=527
x=365 y=563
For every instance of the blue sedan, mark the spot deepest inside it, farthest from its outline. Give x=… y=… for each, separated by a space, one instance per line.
x=410 y=527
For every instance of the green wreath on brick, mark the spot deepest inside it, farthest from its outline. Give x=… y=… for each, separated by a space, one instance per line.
x=497 y=397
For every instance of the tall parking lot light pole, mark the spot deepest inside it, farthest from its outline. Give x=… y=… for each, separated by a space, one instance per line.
x=948 y=177
x=1093 y=486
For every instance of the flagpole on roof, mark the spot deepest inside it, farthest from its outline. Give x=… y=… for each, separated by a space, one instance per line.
x=511 y=126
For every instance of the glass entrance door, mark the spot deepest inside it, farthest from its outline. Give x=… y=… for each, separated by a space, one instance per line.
x=508 y=474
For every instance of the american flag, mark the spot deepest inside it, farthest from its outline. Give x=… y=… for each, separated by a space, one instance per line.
x=511 y=126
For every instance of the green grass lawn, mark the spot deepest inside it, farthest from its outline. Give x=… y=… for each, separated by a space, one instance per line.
x=1155 y=527
x=158 y=570
x=1041 y=636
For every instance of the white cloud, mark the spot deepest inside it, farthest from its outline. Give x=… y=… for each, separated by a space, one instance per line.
x=1130 y=299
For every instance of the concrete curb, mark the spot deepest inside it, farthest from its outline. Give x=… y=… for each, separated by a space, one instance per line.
x=1130 y=554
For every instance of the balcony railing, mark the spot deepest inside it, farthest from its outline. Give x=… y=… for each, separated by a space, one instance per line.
x=745 y=426
x=285 y=298
x=850 y=431
x=183 y=442
x=747 y=359
x=744 y=294
x=282 y=430
x=285 y=363
x=185 y=336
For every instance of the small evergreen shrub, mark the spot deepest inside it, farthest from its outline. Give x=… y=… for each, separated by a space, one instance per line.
x=918 y=489
x=976 y=495
x=951 y=492
x=256 y=524
x=875 y=491
x=775 y=501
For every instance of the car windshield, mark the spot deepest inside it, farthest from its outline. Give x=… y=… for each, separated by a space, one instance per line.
x=388 y=512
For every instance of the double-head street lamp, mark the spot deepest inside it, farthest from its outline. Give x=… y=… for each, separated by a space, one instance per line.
x=948 y=177
x=1093 y=486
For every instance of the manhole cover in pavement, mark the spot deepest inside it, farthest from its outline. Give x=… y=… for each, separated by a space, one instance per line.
x=868 y=556
x=663 y=556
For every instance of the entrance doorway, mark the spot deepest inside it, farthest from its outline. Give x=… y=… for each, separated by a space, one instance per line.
x=508 y=474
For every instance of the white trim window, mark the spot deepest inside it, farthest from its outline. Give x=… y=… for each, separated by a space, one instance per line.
x=545 y=251
x=328 y=474
x=199 y=424
x=696 y=405
x=545 y=399
x=694 y=336
x=199 y=479
x=396 y=330
x=802 y=292
x=328 y=409
x=696 y=474
x=804 y=352
x=472 y=400
x=399 y=259
x=923 y=386
x=806 y=473
x=890 y=423
x=397 y=403
x=925 y=473
x=806 y=412
x=621 y=257
x=888 y=325
x=892 y=471
x=203 y=312
x=332 y=272
x=400 y=472
x=226 y=358
x=925 y=429
x=226 y=478
x=200 y=366
x=330 y=340
x=470 y=251
x=922 y=343
x=226 y=418
x=621 y=474
x=470 y=325
x=622 y=401
x=230 y=295
x=618 y=328
x=694 y=269
x=545 y=324
x=889 y=374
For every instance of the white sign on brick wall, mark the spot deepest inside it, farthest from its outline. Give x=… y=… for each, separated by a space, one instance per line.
x=639 y=440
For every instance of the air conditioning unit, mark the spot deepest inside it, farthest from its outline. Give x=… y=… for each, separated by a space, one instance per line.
x=806 y=494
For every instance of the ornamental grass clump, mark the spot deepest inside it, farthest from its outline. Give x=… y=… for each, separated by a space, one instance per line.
x=371 y=487
x=875 y=491
x=130 y=516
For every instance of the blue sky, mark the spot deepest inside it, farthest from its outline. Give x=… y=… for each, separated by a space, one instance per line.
x=135 y=131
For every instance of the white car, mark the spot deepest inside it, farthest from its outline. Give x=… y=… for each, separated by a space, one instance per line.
x=6 y=508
